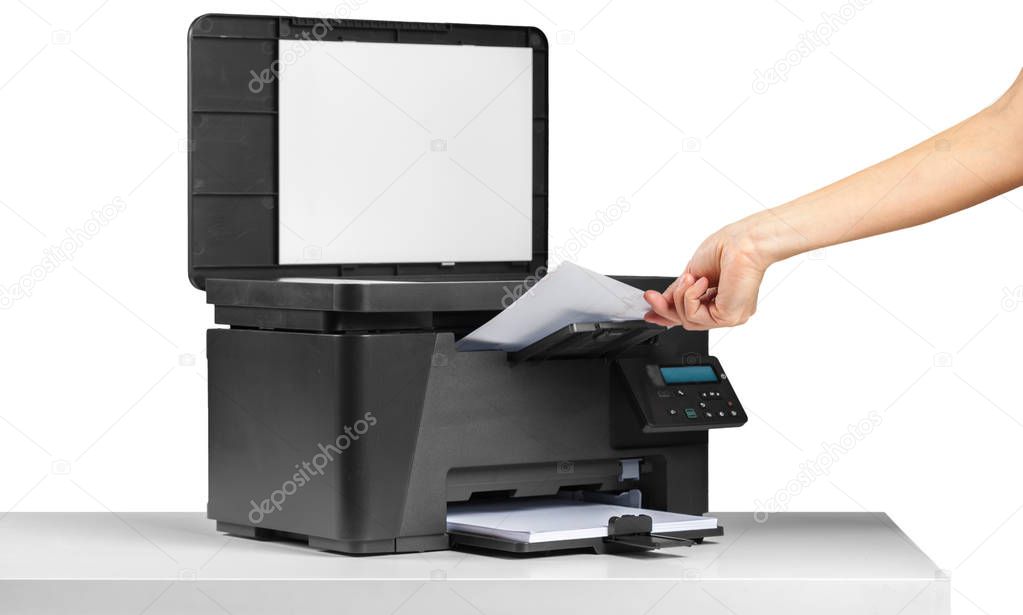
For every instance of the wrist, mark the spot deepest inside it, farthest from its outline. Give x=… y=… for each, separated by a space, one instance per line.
x=764 y=238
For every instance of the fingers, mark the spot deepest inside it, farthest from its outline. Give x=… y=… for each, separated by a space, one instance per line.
x=685 y=278
x=657 y=319
x=692 y=307
x=724 y=295
x=697 y=306
x=662 y=304
x=659 y=308
x=684 y=303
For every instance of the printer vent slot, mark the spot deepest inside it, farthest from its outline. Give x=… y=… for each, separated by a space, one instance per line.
x=589 y=340
x=531 y=480
x=572 y=490
x=497 y=494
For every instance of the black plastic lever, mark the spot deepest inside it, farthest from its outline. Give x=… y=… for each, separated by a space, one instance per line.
x=635 y=531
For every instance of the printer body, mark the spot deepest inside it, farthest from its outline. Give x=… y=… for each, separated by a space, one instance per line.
x=341 y=412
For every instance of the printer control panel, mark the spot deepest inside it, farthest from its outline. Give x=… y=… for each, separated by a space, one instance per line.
x=684 y=396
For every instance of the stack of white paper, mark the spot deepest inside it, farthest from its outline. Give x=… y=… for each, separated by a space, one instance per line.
x=571 y=294
x=549 y=519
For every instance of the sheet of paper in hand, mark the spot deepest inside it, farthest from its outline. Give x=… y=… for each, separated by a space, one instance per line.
x=571 y=294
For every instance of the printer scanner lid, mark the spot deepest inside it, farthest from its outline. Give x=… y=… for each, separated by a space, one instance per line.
x=337 y=148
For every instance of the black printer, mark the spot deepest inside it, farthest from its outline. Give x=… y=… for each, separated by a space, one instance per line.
x=340 y=412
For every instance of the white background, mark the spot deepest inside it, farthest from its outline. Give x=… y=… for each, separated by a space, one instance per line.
x=103 y=408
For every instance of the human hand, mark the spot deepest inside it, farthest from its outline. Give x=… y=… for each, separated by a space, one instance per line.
x=720 y=285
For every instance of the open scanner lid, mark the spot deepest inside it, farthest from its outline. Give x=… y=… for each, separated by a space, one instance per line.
x=326 y=148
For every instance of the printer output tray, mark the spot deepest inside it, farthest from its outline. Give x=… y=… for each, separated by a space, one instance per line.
x=597 y=522
x=598 y=545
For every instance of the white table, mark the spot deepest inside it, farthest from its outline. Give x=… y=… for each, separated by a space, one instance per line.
x=155 y=563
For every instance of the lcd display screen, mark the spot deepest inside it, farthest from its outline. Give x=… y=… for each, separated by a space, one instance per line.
x=689 y=374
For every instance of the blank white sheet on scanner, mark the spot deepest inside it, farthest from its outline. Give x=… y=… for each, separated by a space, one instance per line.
x=404 y=153
x=549 y=519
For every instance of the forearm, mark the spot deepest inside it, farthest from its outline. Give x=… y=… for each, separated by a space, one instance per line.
x=960 y=167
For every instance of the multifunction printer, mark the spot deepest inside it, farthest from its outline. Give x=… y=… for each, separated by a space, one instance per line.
x=362 y=195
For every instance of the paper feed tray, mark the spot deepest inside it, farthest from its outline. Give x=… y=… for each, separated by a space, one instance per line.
x=540 y=525
x=588 y=340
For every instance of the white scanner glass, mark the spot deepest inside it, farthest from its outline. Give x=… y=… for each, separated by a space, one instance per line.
x=404 y=153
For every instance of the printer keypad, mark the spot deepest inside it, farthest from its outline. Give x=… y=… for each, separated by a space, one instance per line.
x=712 y=408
